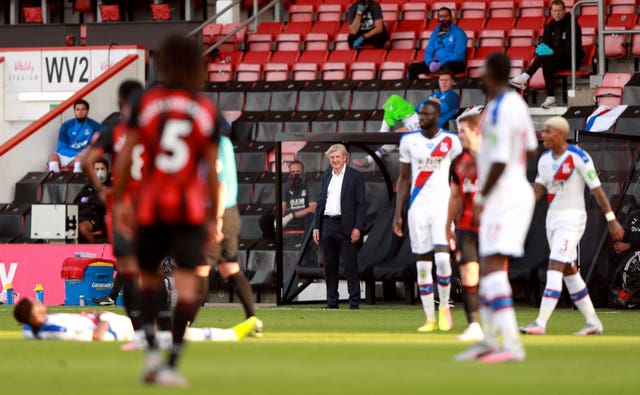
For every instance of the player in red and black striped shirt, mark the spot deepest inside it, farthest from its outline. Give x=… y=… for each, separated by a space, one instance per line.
x=464 y=185
x=177 y=127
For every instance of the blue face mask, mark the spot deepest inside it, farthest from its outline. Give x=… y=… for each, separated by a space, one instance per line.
x=296 y=179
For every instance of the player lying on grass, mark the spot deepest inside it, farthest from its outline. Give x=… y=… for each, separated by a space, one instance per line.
x=563 y=171
x=104 y=326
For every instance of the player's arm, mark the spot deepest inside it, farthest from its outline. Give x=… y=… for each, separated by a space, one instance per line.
x=403 y=192
x=212 y=180
x=539 y=190
x=123 y=163
x=455 y=205
x=355 y=19
x=100 y=330
x=495 y=171
x=615 y=229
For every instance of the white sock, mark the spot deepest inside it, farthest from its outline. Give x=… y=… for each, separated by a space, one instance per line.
x=499 y=297
x=54 y=166
x=486 y=316
x=384 y=128
x=552 y=292
x=77 y=167
x=443 y=277
x=580 y=297
x=425 y=286
x=526 y=76
x=210 y=334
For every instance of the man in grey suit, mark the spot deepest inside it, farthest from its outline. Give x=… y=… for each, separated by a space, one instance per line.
x=338 y=223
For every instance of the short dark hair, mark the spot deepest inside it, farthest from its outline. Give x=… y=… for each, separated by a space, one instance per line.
x=446 y=70
x=179 y=63
x=446 y=9
x=22 y=311
x=558 y=2
x=498 y=66
x=296 y=162
x=103 y=161
x=128 y=88
x=433 y=104
x=81 y=101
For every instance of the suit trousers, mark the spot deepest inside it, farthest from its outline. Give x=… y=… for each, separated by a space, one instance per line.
x=335 y=244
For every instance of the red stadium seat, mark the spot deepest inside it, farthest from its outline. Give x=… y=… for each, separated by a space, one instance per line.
x=403 y=40
x=110 y=12
x=341 y=42
x=588 y=15
x=229 y=57
x=288 y=42
x=389 y=12
x=401 y=55
x=585 y=67
x=393 y=70
x=521 y=38
x=304 y=71
x=272 y=28
x=608 y=96
x=501 y=15
x=371 y=55
x=424 y=39
x=531 y=22
x=517 y=67
x=344 y=3
x=257 y=57
x=634 y=49
x=333 y=71
x=161 y=12
x=316 y=42
x=625 y=20
x=530 y=8
x=258 y=42
x=300 y=28
x=471 y=39
x=220 y=72
x=329 y=12
x=32 y=14
x=248 y=72
x=289 y=57
x=232 y=43
x=622 y=13
x=342 y=56
x=588 y=35
x=472 y=25
x=209 y=32
x=525 y=54
x=414 y=11
x=313 y=56
x=414 y=25
x=362 y=71
x=329 y=27
x=300 y=13
x=276 y=71
x=618 y=80
x=615 y=44
x=472 y=16
x=490 y=41
x=475 y=68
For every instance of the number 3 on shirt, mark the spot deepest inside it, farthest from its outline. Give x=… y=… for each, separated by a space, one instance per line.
x=175 y=151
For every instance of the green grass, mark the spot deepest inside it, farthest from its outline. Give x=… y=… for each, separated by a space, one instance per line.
x=309 y=351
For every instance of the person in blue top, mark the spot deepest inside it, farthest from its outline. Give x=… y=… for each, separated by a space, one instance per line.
x=224 y=253
x=447 y=46
x=74 y=136
x=445 y=96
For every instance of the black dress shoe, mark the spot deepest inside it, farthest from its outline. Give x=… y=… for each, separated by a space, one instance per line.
x=331 y=307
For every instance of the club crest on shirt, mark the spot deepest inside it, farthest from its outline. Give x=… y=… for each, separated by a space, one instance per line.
x=566 y=168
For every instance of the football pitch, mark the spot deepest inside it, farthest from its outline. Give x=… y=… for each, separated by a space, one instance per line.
x=306 y=350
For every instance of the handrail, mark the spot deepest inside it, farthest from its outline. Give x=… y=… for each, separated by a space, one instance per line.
x=213 y=18
x=573 y=42
x=254 y=17
x=59 y=109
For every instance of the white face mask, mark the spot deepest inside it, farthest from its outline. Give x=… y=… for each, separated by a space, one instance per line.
x=102 y=175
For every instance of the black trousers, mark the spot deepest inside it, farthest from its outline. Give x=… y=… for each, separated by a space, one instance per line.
x=334 y=245
x=550 y=65
x=378 y=40
x=417 y=68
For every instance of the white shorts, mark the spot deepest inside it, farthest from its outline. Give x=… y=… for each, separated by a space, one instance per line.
x=504 y=223
x=65 y=160
x=412 y=122
x=426 y=228
x=120 y=327
x=564 y=231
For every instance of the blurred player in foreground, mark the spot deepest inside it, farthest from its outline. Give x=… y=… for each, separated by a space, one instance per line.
x=101 y=326
x=178 y=128
x=563 y=171
x=425 y=159
x=506 y=205
x=464 y=185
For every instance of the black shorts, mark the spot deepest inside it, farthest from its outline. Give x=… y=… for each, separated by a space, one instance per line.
x=227 y=251
x=182 y=242
x=122 y=246
x=467 y=247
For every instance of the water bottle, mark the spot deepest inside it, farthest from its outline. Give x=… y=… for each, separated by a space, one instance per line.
x=81 y=300
x=9 y=289
x=39 y=293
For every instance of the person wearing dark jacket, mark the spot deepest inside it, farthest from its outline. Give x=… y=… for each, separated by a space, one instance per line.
x=554 y=53
x=366 y=25
x=91 y=209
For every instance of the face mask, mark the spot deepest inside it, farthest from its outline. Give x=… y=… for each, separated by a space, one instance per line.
x=296 y=179
x=102 y=175
x=446 y=23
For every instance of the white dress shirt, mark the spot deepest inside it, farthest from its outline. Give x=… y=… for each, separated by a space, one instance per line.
x=332 y=205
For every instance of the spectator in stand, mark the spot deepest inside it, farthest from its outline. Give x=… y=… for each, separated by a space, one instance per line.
x=366 y=25
x=74 y=136
x=91 y=210
x=554 y=53
x=447 y=46
x=397 y=109
x=298 y=204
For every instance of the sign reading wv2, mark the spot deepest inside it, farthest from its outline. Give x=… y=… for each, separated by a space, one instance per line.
x=67 y=69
